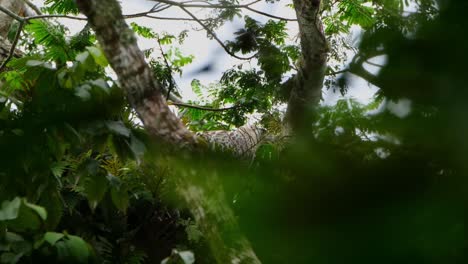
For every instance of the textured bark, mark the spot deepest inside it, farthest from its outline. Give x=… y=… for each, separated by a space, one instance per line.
x=15 y=6
x=4 y=49
x=144 y=93
x=306 y=91
x=118 y=41
x=215 y=219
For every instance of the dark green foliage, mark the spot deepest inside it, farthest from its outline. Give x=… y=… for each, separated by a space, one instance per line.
x=81 y=182
x=269 y=42
x=61 y=7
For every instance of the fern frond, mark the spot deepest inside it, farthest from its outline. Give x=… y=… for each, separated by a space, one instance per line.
x=356 y=12
x=52 y=37
x=135 y=257
x=104 y=250
x=61 y=7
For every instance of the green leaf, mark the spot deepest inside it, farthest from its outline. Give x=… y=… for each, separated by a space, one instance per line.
x=101 y=83
x=145 y=32
x=138 y=148
x=52 y=37
x=120 y=198
x=196 y=87
x=29 y=217
x=39 y=210
x=73 y=249
x=86 y=63
x=10 y=210
x=61 y=6
x=36 y=63
x=166 y=39
x=58 y=168
x=54 y=206
x=83 y=91
x=98 y=56
x=53 y=237
x=95 y=188
x=11 y=237
x=9 y=257
x=78 y=248
x=118 y=128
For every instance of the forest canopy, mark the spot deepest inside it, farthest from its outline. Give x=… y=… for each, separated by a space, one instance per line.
x=102 y=161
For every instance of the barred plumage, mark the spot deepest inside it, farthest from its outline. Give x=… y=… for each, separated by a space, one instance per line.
x=242 y=142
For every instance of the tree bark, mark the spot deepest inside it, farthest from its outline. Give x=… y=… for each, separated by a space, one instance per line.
x=144 y=93
x=306 y=91
x=16 y=7
x=214 y=216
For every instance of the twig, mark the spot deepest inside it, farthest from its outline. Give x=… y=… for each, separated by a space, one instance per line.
x=33 y=7
x=55 y=16
x=330 y=72
x=13 y=46
x=156 y=8
x=169 y=18
x=203 y=107
x=269 y=15
x=208 y=5
x=374 y=64
x=172 y=81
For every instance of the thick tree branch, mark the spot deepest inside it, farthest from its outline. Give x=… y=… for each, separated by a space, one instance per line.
x=308 y=82
x=144 y=93
x=11 y=14
x=8 y=12
x=118 y=41
x=9 y=9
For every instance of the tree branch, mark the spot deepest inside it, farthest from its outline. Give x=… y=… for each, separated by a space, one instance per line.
x=207 y=5
x=11 y=14
x=203 y=107
x=170 y=18
x=172 y=81
x=143 y=92
x=33 y=7
x=13 y=46
x=306 y=92
x=223 y=6
x=330 y=72
x=269 y=15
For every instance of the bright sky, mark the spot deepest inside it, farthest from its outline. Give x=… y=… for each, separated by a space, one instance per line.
x=209 y=52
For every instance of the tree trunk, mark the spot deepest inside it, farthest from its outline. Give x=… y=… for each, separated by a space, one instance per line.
x=215 y=218
x=144 y=93
x=306 y=92
x=16 y=7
